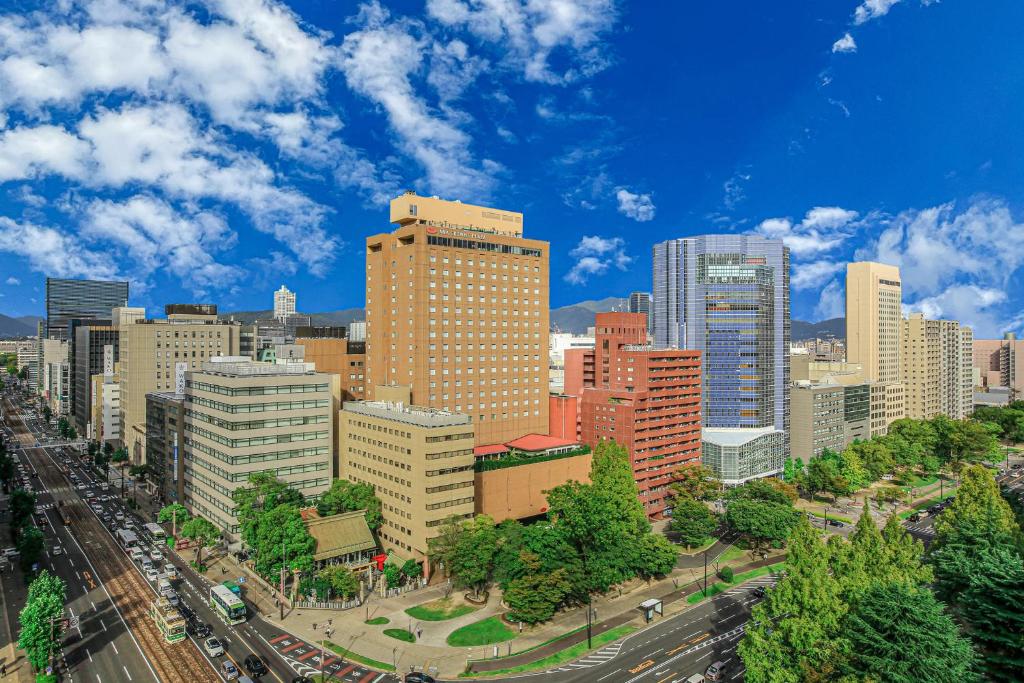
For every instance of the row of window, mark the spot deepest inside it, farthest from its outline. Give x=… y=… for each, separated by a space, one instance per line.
x=255 y=440
x=257 y=391
x=236 y=460
x=257 y=424
x=260 y=407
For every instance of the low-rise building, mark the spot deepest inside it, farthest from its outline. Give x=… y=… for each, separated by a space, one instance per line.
x=418 y=460
x=344 y=538
x=826 y=415
x=243 y=417
x=740 y=454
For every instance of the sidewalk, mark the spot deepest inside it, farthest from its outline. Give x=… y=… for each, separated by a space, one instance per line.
x=13 y=594
x=431 y=651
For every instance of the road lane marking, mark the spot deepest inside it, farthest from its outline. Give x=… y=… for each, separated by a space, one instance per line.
x=114 y=645
x=126 y=672
x=641 y=666
x=88 y=653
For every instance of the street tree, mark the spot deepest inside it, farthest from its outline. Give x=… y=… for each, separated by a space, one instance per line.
x=767 y=490
x=472 y=562
x=978 y=502
x=993 y=608
x=899 y=633
x=534 y=597
x=692 y=521
x=656 y=556
x=30 y=546
x=21 y=505
x=280 y=538
x=342 y=580
x=346 y=496
x=822 y=472
x=695 y=481
x=41 y=619
x=762 y=523
x=441 y=548
x=175 y=513
x=203 y=533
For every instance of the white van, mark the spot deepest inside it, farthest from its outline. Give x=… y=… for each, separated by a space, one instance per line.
x=163 y=586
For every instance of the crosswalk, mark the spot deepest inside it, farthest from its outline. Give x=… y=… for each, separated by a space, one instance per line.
x=764 y=581
x=921 y=530
x=595 y=659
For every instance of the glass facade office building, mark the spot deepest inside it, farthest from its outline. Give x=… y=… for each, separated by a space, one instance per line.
x=86 y=299
x=728 y=296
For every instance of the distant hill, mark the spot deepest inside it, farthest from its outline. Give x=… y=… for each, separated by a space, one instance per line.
x=18 y=327
x=576 y=318
x=834 y=328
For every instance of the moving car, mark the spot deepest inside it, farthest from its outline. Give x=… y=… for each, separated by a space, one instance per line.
x=255 y=666
x=137 y=555
x=213 y=647
x=152 y=575
x=418 y=677
x=715 y=672
x=156 y=556
x=170 y=571
x=57 y=550
x=695 y=678
x=760 y=592
x=228 y=670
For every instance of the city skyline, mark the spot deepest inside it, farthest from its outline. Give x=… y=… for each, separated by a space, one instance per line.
x=778 y=142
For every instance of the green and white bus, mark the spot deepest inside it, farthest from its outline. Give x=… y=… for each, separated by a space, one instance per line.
x=228 y=606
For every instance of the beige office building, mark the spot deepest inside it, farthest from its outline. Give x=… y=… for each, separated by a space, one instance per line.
x=457 y=309
x=154 y=356
x=419 y=461
x=1000 y=363
x=873 y=333
x=938 y=357
x=243 y=417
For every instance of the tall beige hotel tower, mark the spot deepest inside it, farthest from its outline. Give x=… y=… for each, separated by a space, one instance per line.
x=457 y=310
x=873 y=332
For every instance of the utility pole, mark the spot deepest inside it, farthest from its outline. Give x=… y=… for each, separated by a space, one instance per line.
x=284 y=561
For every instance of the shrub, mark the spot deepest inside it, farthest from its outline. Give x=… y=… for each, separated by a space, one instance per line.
x=726 y=574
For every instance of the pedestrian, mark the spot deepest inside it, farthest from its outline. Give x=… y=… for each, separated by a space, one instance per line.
x=314 y=625
x=3 y=670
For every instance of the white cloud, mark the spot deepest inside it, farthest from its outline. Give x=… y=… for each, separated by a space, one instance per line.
x=30 y=152
x=971 y=305
x=832 y=302
x=533 y=31
x=595 y=255
x=815 y=273
x=13 y=281
x=845 y=44
x=822 y=229
x=733 y=190
x=639 y=207
x=379 y=62
x=50 y=251
x=872 y=9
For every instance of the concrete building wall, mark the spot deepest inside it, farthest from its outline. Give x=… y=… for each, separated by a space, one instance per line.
x=818 y=419
x=518 y=492
x=338 y=356
x=937 y=372
x=457 y=308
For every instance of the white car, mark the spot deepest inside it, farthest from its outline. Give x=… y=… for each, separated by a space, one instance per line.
x=156 y=555
x=170 y=571
x=119 y=516
x=57 y=550
x=213 y=647
x=152 y=575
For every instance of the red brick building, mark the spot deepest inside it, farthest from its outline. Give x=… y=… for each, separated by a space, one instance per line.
x=646 y=399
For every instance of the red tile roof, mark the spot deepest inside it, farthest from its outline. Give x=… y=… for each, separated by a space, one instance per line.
x=492 y=449
x=532 y=443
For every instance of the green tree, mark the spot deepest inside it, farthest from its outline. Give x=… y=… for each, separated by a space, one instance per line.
x=341 y=579
x=656 y=556
x=30 y=546
x=508 y=563
x=280 y=538
x=767 y=490
x=21 y=505
x=899 y=633
x=993 y=608
x=346 y=496
x=203 y=533
x=612 y=475
x=978 y=501
x=7 y=468
x=852 y=470
x=412 y=570
x=62 y=424
x=822 y=472
x=792 y=470
x=175 y=512
x=692 y=521
x=793 y=633
x=535 y=596
x=441 y=548
x=119 y=457
x=264 y=493
x=392 y=575
x=47 y=414
x=472 y=562
x=23 y=373
x=761 y=522
x=695 y=481
x=41 y=619
x=108 y=449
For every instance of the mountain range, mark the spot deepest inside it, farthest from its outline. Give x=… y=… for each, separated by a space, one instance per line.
x=23 y=326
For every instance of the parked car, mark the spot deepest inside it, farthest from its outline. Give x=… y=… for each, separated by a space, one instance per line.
x=715 y=672
x=835 y=522
x=418 y=677
x=213 y=647
x=255 y=666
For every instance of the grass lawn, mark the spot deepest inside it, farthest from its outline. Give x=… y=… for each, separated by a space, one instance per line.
x=566 y=655
x=733 y=553
x=439 y=610
x=917 y=482
x=353 y=657
x=400 y=634
x=926 y=503
x=821 y=515
x=486 y=632
x=722 y=586
x=378 y=621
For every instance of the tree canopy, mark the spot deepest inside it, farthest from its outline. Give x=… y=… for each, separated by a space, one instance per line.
x=41 y=619
x=346 y=496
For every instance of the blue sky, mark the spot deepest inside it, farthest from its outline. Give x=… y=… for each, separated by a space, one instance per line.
x=214 y=150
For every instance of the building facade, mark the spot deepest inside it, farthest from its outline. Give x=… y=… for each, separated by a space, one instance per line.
x=874 y=332
x=95 y=351
x=165 y=444
x=105 y=409
x=738 y=455
x=457 y=309
x=418 y=460
x=85 y=299
x=937 y=363
x=284 y=303
x=640 y=302
x=338 y=355
x=646 y=399
x=828 y=415
x=727 y=296
x=155 y=354
x=244 y=417
x=1000 y=363
x=55 y=376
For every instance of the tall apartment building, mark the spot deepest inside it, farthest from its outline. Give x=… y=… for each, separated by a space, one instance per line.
x=727 y=296
x=155 y=354
x=95 y=349
x=284 y=303
x=55 y=376
x=418 y=460
x=105 y=408
x=457 y=309
x=84 y=299
x=244 y=417
x=645 y=399
x=937 y=360
x=873 y=333
x=1000 y=363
